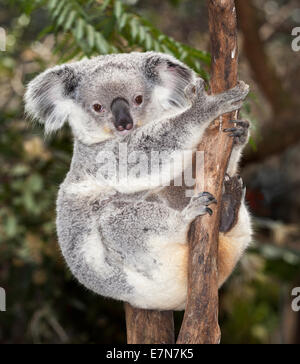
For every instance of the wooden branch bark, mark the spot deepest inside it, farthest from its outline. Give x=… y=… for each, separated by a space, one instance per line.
x=200 y=324
x=149 y=327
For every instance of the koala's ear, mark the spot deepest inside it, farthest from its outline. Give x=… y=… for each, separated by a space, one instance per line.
x=167 y=72
x=49 y=97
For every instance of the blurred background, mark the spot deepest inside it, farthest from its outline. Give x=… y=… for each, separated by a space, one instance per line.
x=44 y=303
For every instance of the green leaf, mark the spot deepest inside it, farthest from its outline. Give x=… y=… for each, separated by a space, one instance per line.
x=35 y=183
x=104 y=5
x=162 y=38
x=120 y=28
x=29 y=201
x=134 y=28
x=59 y=8
x=79 y=33
x=118 y=9
x=91 y=36
x=20 y=170
x=52 y=4
x=45 y=31
x=11 y=226
x=70 y=20
x=101 y=44
x=148 y=42
x=123 y=21
x=142 y=33
x=63 y=15
x=167 y=50
x=183 y=55
x=156 y=46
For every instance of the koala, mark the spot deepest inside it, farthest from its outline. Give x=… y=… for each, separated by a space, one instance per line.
x=126 y=238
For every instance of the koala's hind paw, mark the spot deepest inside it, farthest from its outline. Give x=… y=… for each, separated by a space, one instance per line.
x=240 y=132
x=233 y=196
x=198 y=206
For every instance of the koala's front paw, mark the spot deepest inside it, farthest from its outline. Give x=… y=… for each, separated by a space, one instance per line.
x=198 y=206
x=240 y=132
x=233 y=99
x=239 y=92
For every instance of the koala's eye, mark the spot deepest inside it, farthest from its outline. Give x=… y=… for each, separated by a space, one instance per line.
x=139 y=100
x=98 y=107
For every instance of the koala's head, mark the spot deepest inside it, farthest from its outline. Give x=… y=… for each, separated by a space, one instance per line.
x=109 y=96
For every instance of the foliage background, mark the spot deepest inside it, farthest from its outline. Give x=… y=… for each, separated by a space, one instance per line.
x=44 y=303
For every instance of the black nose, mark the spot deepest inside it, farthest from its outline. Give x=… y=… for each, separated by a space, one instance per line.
x=124 y=125
x=122 y=118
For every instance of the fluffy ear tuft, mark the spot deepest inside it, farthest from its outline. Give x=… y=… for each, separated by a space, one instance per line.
x=170 y=76
x=49 y=97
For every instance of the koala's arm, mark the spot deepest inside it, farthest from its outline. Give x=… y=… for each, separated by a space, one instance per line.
x=183 y=132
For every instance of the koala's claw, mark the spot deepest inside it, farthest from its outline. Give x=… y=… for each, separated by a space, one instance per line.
x=240 y=133
x=242 y=123
x=198 y=206
x=209 y=211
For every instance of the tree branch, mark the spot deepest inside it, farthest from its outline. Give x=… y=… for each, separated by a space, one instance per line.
x=149 y=327
x=200 y=324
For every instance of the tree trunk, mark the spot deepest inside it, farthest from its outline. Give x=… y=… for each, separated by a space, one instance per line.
x=200 y=324
x=149 y=327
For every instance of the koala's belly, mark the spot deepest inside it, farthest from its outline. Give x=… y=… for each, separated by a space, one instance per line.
x=166 y=289
x=157 y=280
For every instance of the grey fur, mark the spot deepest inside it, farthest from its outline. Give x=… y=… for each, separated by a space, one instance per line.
x=125 y=220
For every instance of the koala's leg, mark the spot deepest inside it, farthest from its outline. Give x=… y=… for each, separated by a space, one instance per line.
x=235 y=228
x=235 y=232
x=150 y=240
x=92 y=262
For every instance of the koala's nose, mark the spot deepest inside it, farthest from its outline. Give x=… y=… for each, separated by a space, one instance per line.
x=124 y=125
x=122 y=118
